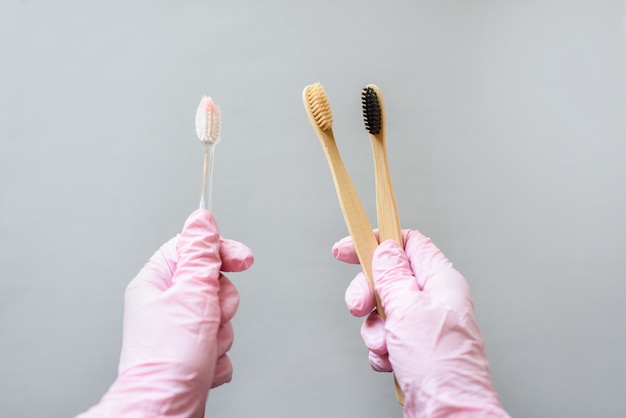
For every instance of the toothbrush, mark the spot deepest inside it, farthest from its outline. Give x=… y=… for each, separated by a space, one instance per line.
x=318 y=110
x=208 y=131
x=359 y=227
x=386 y=208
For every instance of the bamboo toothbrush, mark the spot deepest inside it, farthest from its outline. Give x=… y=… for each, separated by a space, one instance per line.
x=359 y=227
x=321 y=118
x=386 y=208
x=208 y=131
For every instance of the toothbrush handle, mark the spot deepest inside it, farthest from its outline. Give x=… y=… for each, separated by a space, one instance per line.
x=387 y=212
x=206 y=191
x=386 y=208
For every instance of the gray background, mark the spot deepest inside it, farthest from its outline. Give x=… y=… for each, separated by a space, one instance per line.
x=506 y=129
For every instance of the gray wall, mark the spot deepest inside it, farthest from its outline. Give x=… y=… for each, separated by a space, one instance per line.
x=506 y=129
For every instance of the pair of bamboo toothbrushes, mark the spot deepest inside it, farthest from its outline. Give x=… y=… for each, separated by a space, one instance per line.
x=318 y=109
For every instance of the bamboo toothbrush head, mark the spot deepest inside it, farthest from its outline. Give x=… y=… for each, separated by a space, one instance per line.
x=317 y=107
x=373 y=110
x=374 y=118
x=372 y=115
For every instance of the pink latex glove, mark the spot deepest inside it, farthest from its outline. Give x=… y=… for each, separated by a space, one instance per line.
x=177 y=326
x=430 y=339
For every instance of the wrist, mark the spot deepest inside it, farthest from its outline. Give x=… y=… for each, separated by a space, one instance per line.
x=454 y=393
x=144 y=393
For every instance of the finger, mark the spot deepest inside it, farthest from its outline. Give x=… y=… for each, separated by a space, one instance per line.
x=359 y=296
x=195 y=282
x=225 y=338
x=343 y=250
x=424 y=257
x=223 y=371
x=380 y=363
x=159 y=269
x=374 y=334
x=393 y=278
x=435 y=274
x=198 y=247
x=235 y=256
x=229 y=299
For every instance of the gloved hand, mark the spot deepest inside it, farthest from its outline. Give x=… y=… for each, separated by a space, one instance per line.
x=429 y=339
x=177 y=326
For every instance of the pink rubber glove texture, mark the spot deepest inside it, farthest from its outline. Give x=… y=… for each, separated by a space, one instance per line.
x=177 y=326
x=430 y=339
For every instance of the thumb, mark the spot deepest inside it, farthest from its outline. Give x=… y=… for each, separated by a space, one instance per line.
x=393 y=279
x=198 y=247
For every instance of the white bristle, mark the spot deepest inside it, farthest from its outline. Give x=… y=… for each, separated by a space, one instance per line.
x=208 y=122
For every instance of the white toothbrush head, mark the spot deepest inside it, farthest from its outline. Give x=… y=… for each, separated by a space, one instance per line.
x=208 y=121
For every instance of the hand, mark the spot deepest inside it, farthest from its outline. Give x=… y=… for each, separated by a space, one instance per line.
x=177 y=326
x=430 y=339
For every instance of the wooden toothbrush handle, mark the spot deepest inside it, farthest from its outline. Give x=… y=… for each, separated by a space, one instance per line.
x=386 y=208
x=354 y=214
x=387 y=213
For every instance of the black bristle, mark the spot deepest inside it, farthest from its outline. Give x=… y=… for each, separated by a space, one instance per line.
x=372 y=115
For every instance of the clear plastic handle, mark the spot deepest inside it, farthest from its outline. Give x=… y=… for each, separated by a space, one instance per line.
x=206 y=191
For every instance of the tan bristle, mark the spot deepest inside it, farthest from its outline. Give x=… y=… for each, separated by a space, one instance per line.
x=320 y=108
